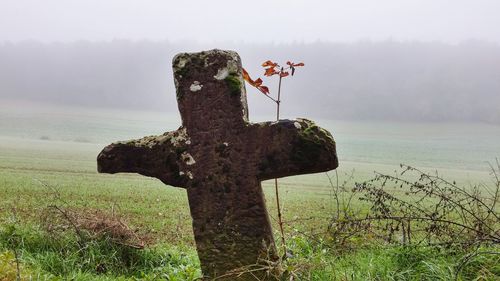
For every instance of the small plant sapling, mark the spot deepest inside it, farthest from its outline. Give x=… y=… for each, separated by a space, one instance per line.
x=271 y=69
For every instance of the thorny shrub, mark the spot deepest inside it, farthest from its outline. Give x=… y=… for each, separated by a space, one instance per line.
x=414 y=208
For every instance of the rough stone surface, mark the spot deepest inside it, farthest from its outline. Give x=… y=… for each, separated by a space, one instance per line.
x=221 y=158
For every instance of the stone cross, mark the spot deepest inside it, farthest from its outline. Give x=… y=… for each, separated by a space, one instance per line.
x=220 y=158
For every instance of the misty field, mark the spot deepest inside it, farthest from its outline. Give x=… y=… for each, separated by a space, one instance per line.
x=48 y=160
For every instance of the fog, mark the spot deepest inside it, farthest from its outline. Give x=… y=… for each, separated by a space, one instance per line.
x=255 y=21
x=412 y=60
x=349 y=81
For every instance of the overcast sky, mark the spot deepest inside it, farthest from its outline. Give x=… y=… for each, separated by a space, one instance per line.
x=251 y=21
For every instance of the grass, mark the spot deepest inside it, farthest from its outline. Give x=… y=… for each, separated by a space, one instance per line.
x=160 y=215
x=52 y=257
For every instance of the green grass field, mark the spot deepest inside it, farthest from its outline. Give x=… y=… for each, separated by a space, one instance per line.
x=160 y=215
x=36 y=173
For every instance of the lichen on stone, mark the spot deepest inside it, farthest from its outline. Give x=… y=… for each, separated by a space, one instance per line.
x=182 y=62
x=179 y=62
x=179 y=137
x=148 y=141
x=187 y=158
x=196 y=86
x=162 y=139
x=232 y=67
x=222 y=73
x=188 y=174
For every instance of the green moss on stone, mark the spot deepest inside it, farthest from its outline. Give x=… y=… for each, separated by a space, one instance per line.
x=306 y=149
x=181 y=71
x=311 y=142
x=314 y=131
x=234 y=84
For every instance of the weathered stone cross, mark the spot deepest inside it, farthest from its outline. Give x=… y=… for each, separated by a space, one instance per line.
x=221 y=158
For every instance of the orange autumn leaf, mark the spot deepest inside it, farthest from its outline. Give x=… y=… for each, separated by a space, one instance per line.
x=271 y=68
x=284 y=74
x=269 y=63
x=270 y=71
x=250 y=81
x=256 y=83
x=264 y=89
x=246 y=76
x=291 y=64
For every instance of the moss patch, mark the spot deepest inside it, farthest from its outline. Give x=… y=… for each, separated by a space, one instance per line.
x=181 y=72
x=306 y=150
x=234 y=84
x=311 y=142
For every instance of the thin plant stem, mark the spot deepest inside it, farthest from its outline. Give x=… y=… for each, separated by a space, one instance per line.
x=278 y=101
x=280 y=221
x=271 y=98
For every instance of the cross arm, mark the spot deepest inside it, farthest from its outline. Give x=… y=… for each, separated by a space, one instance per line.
x=161 y=157
x=295 y=147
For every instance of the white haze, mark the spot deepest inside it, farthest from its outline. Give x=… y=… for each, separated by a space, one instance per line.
x=364 y=81
x=255 y=21
x=430 y=60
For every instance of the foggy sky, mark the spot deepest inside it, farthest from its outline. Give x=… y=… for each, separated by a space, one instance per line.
x=255 y=21
x=350 y=81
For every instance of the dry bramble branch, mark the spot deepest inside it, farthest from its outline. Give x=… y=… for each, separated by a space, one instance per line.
x=415 y=207
x=88 y=225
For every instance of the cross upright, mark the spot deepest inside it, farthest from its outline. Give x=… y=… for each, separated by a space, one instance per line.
x=220 y=158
